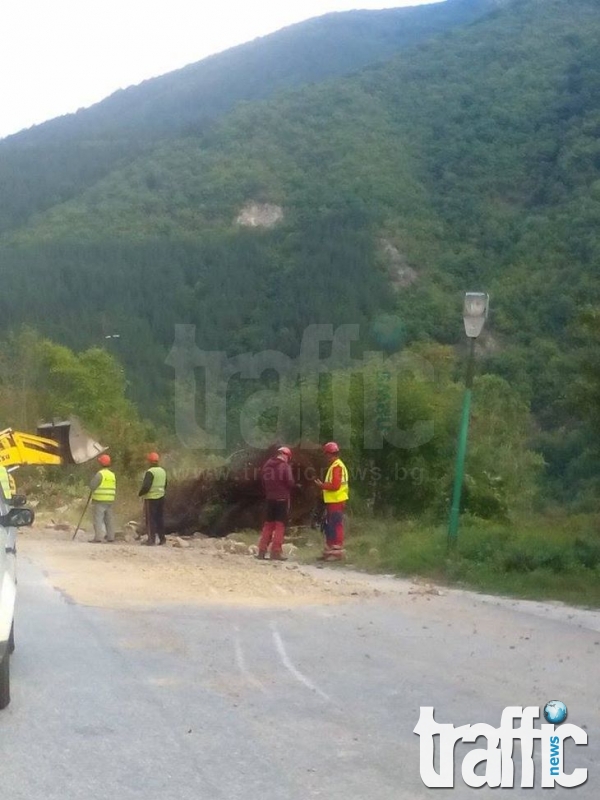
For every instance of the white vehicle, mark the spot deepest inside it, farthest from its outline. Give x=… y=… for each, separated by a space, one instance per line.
x=10 y=519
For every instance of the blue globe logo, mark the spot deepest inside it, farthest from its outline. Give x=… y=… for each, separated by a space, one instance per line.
x=555 y=712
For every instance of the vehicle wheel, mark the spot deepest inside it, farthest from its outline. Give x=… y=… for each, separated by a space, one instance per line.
x=5 y=680
x=11 y=639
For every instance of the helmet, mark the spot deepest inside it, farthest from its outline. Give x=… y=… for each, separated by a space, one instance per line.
x=331 y=447
x=285 y=451
x=104 y=459
x=153 y=458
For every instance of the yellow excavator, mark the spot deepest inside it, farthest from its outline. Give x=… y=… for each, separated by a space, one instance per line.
x=63 y=442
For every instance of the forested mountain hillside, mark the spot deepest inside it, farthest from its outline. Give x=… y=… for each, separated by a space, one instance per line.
x=55 y=161
x=469 y=163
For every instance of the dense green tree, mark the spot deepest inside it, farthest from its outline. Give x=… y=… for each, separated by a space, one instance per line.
x=42 y=380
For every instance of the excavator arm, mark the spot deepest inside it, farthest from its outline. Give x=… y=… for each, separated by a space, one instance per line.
x=61 y=443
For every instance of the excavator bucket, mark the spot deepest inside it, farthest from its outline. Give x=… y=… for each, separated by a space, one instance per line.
x=75 y=446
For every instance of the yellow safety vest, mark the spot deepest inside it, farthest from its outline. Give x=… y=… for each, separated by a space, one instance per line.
x=342 y=493
x=159 y=483
x=105 y=493
x=5 y=484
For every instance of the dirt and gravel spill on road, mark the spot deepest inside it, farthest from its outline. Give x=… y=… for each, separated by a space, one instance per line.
x=130 y=574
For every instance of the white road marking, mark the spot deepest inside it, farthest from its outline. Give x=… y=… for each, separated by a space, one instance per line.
x=241 y=662
x=287 y=663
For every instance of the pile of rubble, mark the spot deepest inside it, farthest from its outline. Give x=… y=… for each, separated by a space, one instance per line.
x=219 y=502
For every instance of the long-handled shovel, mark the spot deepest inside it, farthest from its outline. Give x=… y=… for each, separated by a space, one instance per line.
x=82 y=516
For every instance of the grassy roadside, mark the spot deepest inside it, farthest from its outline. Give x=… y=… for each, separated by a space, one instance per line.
x=549 y=558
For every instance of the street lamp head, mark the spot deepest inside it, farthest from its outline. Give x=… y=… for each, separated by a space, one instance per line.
x=475 y=312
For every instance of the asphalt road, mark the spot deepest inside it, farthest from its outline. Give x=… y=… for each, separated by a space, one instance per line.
x=276 y=704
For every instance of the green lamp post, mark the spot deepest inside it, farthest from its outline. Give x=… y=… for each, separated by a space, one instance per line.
x=475 y=311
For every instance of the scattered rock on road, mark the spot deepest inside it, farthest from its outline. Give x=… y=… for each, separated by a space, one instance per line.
x=179 y=542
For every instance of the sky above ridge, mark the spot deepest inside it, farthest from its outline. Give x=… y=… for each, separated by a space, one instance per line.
x=58 y=56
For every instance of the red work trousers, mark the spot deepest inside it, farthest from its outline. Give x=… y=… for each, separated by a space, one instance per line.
x=273 y=530
x=272 y=534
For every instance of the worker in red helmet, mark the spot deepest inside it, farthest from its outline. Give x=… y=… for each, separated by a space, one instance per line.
x=335 y=494
x=278 y=482
x=103 y=490
x=152 y=491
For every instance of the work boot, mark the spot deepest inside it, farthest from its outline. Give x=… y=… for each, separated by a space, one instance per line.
x=150 y=543
x=162 y=540
x=324 y=555
x=261 y=555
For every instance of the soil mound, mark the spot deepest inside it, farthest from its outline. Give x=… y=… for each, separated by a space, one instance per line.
x=219 y=502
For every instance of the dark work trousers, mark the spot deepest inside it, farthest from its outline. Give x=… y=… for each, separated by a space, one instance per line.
x=334 y=527
x=154 y=512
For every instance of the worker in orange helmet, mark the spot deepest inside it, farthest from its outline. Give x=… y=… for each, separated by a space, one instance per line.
x=103 y=488
x=278 y=481
x=152 y=491
x=335 y=494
